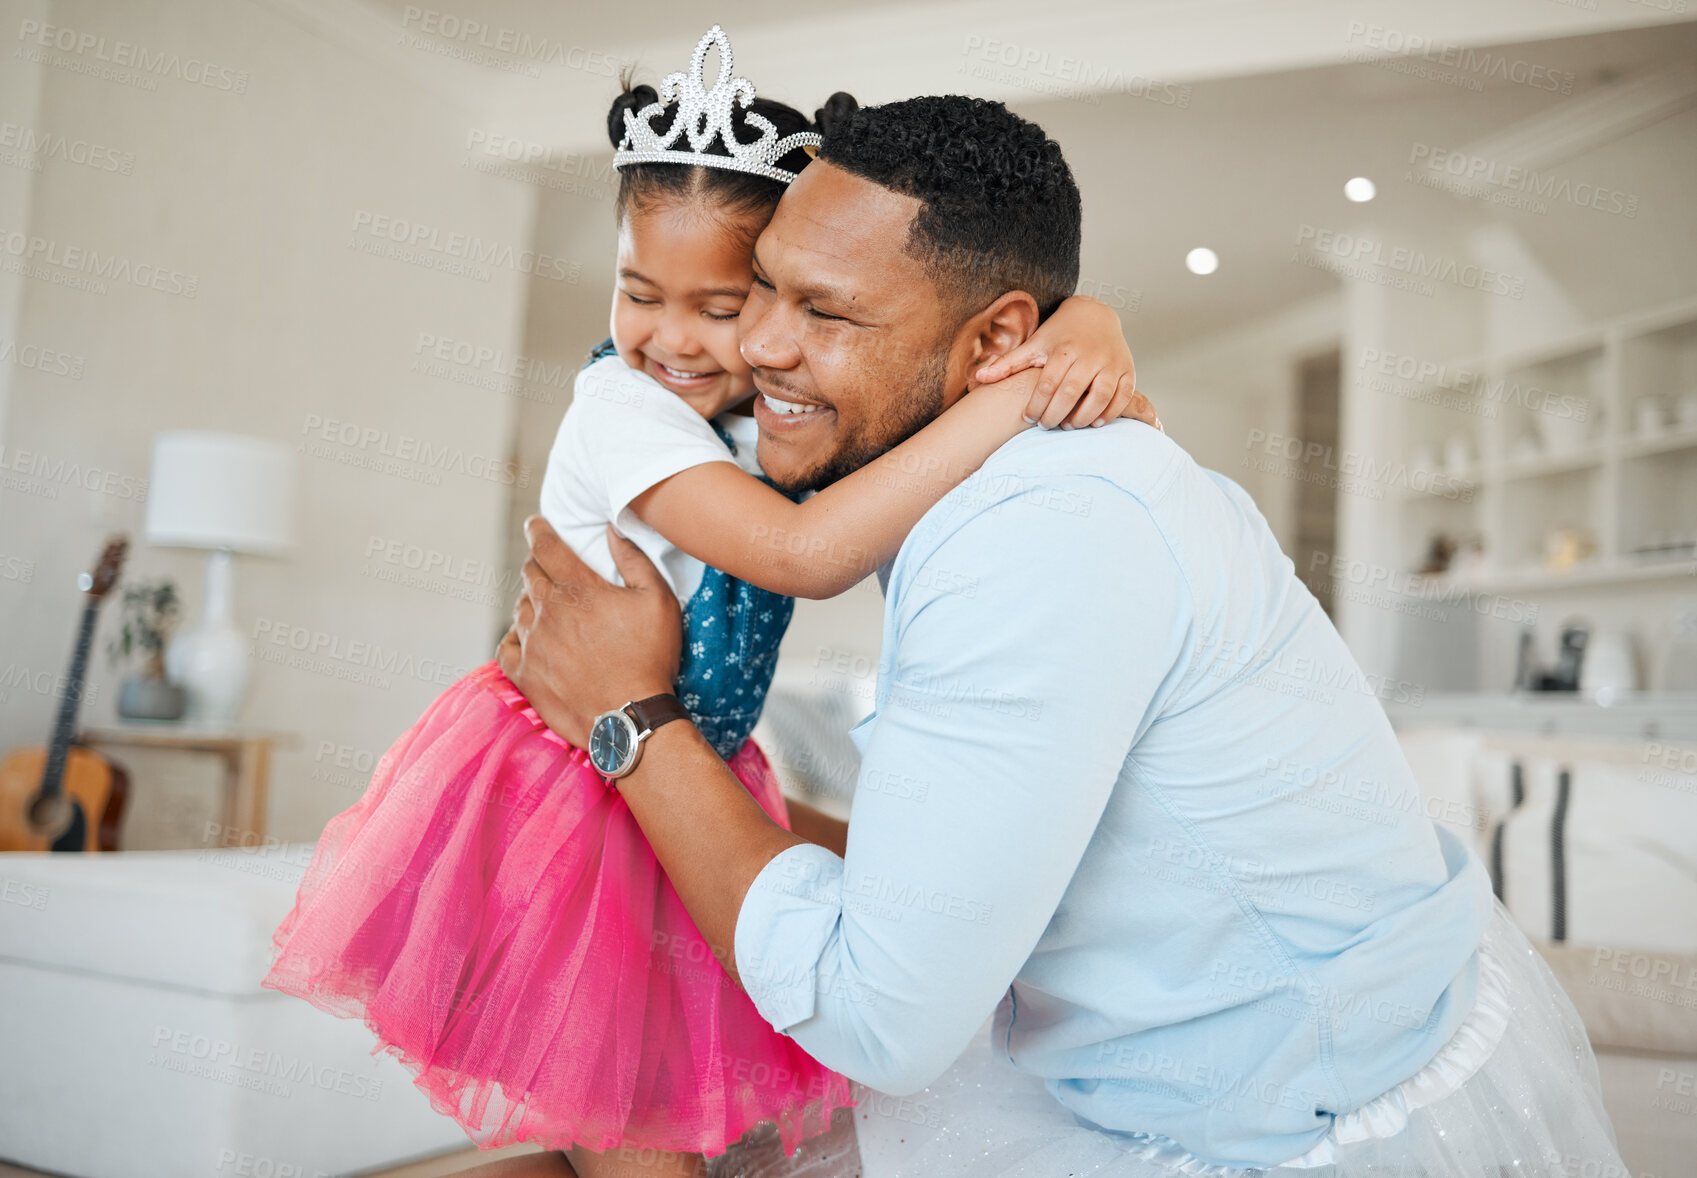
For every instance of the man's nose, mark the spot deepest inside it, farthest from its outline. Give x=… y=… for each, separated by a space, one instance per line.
x=767 y=337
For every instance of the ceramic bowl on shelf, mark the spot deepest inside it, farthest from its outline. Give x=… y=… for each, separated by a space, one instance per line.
x=1648 y=417
x=1685 y=411
x=1563 y=433
x=1458 y=454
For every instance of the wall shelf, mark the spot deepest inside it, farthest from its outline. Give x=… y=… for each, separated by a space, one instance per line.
x=1641 y=447
x=1573 y=346
x=1551 y=464
x=1439 y=484
x=1576 y=398
x=1535 y=578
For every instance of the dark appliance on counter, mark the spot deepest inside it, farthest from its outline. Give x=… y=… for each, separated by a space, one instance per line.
x=1564 y=676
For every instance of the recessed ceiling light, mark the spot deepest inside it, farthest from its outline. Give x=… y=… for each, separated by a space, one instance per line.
x=1360 y=190
x=1202 y=260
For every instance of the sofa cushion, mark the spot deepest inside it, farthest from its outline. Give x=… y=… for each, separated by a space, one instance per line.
x=1633 y=1000
x=1630 y=856
x=201 y=920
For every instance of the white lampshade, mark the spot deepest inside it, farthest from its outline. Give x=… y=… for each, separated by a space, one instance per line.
x=212 y=490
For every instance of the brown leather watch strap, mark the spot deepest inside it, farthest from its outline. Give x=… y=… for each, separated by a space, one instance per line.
x=656 y=710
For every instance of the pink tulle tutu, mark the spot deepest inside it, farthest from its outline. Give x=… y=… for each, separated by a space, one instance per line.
x=493 y=912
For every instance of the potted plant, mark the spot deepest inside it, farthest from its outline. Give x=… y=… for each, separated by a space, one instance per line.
x=151 y=611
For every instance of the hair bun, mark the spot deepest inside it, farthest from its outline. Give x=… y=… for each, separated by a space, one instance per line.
x=633 y=99
x=835 y=112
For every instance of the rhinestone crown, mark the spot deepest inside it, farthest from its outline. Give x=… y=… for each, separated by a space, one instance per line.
x=703 y=115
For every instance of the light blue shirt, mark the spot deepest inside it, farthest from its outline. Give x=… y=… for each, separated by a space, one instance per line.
x=1125 y=787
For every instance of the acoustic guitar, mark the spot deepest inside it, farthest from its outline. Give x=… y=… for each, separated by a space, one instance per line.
x=66 y=797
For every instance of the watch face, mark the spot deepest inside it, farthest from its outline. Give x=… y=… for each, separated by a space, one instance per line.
x=611 y=742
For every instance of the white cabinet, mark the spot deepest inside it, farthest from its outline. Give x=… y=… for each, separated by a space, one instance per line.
x=1575 y=463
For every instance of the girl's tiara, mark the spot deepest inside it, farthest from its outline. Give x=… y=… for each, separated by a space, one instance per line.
x=704 y=114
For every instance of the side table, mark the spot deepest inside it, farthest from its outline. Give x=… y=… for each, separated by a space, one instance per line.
x=246 y=753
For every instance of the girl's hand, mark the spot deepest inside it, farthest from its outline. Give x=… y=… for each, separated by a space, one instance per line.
x=1088 y=375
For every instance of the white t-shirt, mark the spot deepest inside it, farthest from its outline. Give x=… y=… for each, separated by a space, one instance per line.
x=623 y=433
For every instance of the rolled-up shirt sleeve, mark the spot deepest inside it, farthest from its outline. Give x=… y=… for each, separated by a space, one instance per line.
x=1027 y=646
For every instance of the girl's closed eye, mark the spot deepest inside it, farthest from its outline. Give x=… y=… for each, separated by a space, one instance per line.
x=717 y=315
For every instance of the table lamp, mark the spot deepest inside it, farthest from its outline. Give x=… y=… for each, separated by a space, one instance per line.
x=226 y=493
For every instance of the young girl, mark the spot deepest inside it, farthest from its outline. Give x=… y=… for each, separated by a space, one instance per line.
x=489 y=907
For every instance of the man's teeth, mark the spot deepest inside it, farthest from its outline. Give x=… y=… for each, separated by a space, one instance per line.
x=680 y=373
x=788 y=407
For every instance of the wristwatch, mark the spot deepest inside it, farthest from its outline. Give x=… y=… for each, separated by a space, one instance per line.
x=615 y=737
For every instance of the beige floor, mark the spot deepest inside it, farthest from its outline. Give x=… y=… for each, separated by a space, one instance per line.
x=451 y=1163
x=834 y=1152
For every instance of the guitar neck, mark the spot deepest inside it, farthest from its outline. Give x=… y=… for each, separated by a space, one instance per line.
x=65 y=728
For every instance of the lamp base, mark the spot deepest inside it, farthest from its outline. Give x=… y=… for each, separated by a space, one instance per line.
x=211 y=659
x=211 y=662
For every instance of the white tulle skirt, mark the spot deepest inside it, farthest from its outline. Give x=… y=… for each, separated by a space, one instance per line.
x=1514 y=1092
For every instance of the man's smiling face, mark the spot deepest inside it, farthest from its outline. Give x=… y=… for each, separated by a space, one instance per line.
x=844 y=329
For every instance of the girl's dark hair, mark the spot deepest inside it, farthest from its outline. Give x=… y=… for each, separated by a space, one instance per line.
x=740 y=193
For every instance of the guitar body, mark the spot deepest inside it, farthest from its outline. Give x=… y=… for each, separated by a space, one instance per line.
x=94 y=786
x=65 y=797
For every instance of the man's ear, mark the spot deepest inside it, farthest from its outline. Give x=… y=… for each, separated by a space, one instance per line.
x=991 y=334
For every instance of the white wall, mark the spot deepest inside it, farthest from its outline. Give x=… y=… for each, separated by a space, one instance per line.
x=1580 y=265
x=256 y=195
x=20 y=93
x=1225 y=397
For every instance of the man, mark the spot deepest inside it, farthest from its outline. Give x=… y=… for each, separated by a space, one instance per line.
x=1130 y=793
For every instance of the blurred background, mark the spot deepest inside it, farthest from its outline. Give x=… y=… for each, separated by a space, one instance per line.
x=293 y=292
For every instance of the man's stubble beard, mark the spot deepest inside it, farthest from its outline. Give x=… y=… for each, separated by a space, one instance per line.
x=906 y=417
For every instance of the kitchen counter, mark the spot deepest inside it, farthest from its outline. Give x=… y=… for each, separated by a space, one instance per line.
x=1643 y=716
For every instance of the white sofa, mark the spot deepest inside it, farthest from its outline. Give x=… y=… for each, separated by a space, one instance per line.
x=1622 y=938
x=137 y=1042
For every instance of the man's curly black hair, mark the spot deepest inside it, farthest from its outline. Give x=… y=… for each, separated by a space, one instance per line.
x=1000 y=210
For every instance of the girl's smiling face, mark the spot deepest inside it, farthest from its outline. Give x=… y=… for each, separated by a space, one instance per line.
x=683 y=275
